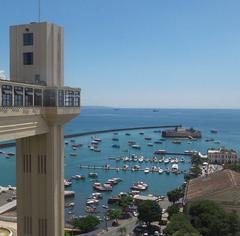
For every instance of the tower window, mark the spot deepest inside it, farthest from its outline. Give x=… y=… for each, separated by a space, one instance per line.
x=28 y=58
x=28 y=39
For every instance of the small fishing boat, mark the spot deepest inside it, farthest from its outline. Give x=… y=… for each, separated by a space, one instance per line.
x=67 y=183
x=174 y=167
x=140 y=186
x=146 y=170
x=160 y=171
x=115 y=146
x=125 y=167
x=73 y=154
x=77 y=145
x=93 y=174
x=176 y=142
x=78 y=177
x=159 y=152
x=214 y=131
x=130 y=142
x=166 y=161
x=97 y=150
x=150 y=144
x=141 y=133
x=158 y=142
x=105 y=207
x=148 y=138
x=136 y=146
x=115 y=139
x=127 y=134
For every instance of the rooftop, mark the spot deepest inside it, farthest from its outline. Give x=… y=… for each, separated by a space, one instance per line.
x=221 y=150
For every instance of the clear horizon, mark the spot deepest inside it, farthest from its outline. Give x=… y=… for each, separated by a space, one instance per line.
x=143 y=54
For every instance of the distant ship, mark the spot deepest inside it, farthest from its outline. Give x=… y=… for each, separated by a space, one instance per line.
x=155 y=110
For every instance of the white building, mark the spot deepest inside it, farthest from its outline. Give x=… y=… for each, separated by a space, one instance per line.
x=222 y=156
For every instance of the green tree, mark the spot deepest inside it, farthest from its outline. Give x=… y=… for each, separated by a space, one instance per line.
x=175 y=195
x=233 y=223
x=149 y=211
x=125 y=201
x=114 y=214
x=179 y=226
x=86 y=224
x=66 y=233
x=173 y=209
x=211 y=220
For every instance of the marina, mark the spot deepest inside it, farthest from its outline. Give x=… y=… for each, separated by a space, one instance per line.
x=131 y=165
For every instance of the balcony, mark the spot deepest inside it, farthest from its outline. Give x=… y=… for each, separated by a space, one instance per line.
x=27 y=99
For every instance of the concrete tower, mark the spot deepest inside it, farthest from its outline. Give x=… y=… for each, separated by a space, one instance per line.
x=34 y=107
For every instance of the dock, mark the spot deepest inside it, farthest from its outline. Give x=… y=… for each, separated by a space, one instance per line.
x=93 y=167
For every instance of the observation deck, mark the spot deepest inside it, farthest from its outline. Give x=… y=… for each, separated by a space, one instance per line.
x=27 y=109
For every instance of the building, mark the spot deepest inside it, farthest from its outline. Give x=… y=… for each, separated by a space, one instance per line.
x=222 y=187
x=34 y=106
x=222 y=156
x=180 y=132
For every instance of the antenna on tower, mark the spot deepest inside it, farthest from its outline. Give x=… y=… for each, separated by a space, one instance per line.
x=39 y=11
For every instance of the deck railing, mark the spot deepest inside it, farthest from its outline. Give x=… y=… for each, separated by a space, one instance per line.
x=15 y=94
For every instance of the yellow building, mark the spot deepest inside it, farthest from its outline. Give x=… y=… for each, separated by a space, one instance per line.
x=222 y=156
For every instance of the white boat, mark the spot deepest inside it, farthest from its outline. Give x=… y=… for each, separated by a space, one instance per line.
x=125 y=167
x=93 y=175
x=159 y=152
x=67 y=183
x=97 y=140
x=140 y=186
x=136 y=146
x=166 y=161
x=94 y=142
x=96 y=195
x=160 y=171
x=147 y=170
x=175 y=167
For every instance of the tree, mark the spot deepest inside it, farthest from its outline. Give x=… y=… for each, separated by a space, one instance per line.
x=114 y=214
x=175 y=195
x=149 y=211
x=173 y=209
x=180 y=225
x=86 y=224
x=211 y=220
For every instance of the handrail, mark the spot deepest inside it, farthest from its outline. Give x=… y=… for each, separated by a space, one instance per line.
x=31 y=95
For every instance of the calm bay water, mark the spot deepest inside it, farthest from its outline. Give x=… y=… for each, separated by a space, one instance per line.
x=227 y=122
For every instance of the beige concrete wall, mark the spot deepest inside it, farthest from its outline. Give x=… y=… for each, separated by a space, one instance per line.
x=47 y=51
x=40 y=188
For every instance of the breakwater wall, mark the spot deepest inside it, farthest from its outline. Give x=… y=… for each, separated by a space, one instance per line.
x=12 y=144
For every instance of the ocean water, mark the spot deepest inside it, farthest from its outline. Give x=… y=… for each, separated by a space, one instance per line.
x=227 y=122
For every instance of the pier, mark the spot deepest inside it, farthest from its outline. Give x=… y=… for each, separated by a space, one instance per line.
x=93 y=167
x=12 y=144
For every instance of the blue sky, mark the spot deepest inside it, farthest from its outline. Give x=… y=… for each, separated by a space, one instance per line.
x=142 y=53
